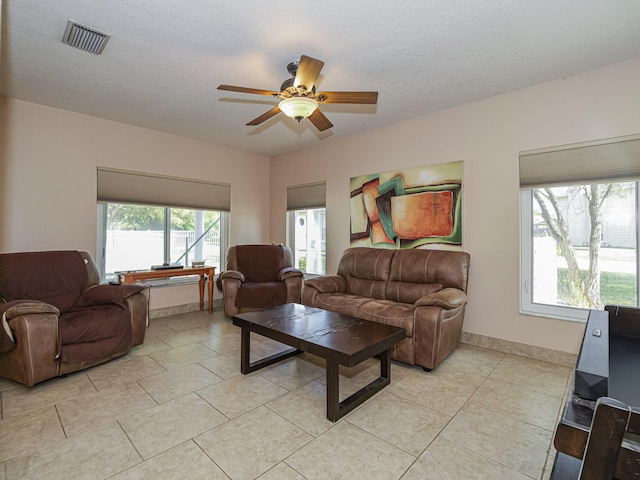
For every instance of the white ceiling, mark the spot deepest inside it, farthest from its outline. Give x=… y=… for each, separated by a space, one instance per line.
x=165 y=58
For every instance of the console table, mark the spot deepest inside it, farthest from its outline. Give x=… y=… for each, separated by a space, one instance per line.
x=134 y=276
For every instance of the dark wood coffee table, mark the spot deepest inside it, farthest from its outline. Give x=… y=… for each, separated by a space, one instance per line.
x=339 y=339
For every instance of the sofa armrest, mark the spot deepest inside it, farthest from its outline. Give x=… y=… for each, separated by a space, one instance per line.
x=288 y=272
x=233 y=274
x=447 y=298
x=327 y=284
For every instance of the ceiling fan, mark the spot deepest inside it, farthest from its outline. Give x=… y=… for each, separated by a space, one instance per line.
x=298 y=96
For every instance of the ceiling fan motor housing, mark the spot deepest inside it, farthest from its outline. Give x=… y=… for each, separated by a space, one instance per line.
x=287 y=89
x=292 y=68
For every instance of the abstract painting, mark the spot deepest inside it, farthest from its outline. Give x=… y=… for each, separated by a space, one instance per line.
x=407 y=208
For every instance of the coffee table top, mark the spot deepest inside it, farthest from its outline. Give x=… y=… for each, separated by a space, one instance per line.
x=339 y=338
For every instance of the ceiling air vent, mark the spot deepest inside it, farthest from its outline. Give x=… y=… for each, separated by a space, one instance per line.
x=85 y=38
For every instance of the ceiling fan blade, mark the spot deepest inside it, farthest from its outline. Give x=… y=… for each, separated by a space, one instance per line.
x=257 y=91
x=321 y=122
x=308 y=71
x=347 y=97
x=265 y=116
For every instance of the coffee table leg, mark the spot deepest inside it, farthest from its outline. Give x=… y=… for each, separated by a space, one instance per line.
x=245 y=364
x=385 y=364
x=333 y=379
x=337 y=409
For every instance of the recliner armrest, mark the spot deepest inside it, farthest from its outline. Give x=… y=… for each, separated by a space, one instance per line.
x=28 y=307
x=447 y=298
x=328 y=283
x=105 y=294
x=15 y=309
x=288 y=272
x=232 y=274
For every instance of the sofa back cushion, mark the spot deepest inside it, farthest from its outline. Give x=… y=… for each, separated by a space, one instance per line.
x=366 y=271
x=418 y=272
x=57 y=277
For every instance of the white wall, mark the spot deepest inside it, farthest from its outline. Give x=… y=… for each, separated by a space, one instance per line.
x=48 y=160
x=487 y=135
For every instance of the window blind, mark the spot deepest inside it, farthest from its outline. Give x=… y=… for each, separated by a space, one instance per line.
x=302 y=197
x=610 y=160
x=122 y=186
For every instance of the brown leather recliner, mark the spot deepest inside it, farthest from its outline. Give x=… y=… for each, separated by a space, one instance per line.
x=421 y=290
x=57 y=318
x=259 y=277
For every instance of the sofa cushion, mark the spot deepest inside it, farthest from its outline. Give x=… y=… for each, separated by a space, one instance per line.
x=407 y=292
x=343 y=303
x=57 y=278
x=446 y=268
x=390 y=313
x=366 y=271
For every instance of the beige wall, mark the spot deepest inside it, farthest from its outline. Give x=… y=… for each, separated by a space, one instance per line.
x=487 y=135
x=48 y=160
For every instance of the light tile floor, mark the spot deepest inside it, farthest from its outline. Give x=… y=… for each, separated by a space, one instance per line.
x=177 y=407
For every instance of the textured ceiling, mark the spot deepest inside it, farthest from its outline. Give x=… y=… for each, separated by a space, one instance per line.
x=165 y=58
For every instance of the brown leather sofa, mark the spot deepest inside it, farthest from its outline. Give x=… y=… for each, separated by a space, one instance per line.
x=422 y=290
x=259 y=277
x=57 y=318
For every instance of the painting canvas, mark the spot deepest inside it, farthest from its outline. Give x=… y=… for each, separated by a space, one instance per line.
x=407 y=208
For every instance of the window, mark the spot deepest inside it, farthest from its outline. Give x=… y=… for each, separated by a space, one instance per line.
x=135 y=237
x=580 y=237
x=306 y=225
x=146 y=220
x=308 y=239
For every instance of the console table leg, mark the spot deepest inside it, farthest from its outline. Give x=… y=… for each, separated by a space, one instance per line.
x=201 y=285
x=210 y=286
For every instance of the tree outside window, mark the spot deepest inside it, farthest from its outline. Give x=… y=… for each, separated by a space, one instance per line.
x=584 y=245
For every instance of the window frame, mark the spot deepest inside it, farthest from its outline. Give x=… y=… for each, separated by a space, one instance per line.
x=291 y=236
x=101 y=232
x=527 y=306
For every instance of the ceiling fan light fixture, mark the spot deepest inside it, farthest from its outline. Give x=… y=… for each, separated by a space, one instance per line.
x=298 y=107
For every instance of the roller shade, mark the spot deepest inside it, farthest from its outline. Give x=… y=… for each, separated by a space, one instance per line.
x=302 y=197
x=610 y=160
x=121 y=186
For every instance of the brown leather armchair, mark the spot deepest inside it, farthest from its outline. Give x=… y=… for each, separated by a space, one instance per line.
x=259 y=277
x=57 y=318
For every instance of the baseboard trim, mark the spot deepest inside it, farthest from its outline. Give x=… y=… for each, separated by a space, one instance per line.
x=522 y=349
x=184 y=308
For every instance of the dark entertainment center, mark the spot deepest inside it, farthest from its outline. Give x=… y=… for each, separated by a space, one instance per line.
x=608 y=366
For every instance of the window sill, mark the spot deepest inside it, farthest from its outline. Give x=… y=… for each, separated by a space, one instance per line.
x=566 y=314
